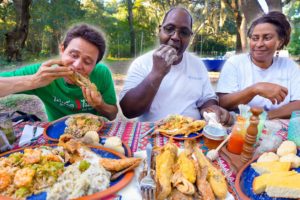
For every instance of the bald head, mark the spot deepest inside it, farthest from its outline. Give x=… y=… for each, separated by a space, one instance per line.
x=178 y=9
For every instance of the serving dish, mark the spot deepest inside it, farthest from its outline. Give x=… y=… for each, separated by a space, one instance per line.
x=191 y=136
x=115 y=185
x=244 y=180
x=55 y=129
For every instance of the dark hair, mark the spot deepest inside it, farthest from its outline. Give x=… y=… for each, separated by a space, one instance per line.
x=279 y=20
x=178 y=8
x=89 y=34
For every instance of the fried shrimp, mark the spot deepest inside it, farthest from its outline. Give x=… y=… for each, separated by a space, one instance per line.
x=5 y=180
x=24 y=177
x=32 y=156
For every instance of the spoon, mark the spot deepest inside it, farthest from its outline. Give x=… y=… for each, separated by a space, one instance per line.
x=213 y=154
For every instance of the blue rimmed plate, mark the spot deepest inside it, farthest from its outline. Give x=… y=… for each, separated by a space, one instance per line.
x=191 y=136
x=55 y=129
x=244 y=180
x=115 y=185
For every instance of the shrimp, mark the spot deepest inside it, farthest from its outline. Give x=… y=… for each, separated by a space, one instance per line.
x=24 y=177
x=32 y=156
x=5 y=180
x=52 y=157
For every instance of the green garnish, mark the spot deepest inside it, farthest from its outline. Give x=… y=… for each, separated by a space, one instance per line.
x=84 y=165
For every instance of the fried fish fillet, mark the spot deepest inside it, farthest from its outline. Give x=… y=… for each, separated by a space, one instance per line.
x=164 y=162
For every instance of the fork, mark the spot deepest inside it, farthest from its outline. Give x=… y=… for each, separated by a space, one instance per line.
x=147 y=184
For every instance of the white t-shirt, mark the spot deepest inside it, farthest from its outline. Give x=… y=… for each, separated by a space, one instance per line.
x=185 y=88
x=239 y=72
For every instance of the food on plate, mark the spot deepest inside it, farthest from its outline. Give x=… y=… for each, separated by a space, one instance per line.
x=78 y=125
x=164 y=163
x=23 y=174
x=278 y=184
x=205 y=191
x=77 y=151
x=91 y=137
x=215 y=177
x=287 y=147
x=78 y=181
x=268 y=157
x=268 y=167
x=178 y=124
x=260 y=182
x=184 y=175
x=187 y=175
x=114 y=143
x=67 y=171
x=83 y=81
x=116 y=165
x=289 y=187
x=294 y=159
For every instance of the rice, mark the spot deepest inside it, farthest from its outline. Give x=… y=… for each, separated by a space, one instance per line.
x=73 y=183
x=78 y=125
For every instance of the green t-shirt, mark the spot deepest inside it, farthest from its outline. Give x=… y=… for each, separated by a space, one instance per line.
x=61 y=99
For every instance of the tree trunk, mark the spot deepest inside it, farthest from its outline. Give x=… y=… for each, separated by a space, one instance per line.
x=132 y=33
x=275 y=5
x=15 y=39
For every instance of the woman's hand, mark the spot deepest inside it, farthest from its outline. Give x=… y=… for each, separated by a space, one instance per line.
x=49 y=71
x=274 y=92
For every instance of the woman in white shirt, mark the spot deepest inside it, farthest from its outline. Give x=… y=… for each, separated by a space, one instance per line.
x=258 y=78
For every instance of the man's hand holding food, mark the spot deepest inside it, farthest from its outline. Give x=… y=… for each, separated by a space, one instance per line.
x=163 y=58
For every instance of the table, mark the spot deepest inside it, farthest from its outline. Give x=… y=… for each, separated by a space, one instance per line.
x=129 y=132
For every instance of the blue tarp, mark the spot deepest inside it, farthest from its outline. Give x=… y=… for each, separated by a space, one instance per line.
x=214 y=64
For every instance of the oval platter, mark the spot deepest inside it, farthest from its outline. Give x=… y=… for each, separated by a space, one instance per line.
x=115 y=185
x=244 y=180
x=191 y=136
x=55 y=129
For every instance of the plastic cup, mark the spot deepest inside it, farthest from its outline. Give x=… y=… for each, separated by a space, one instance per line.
x=294 y=128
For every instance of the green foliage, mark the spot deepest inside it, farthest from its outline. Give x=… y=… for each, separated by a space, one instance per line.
x=214 y=26
x=293 y=11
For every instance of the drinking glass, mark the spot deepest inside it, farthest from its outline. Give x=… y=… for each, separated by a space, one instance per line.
x=294 y=127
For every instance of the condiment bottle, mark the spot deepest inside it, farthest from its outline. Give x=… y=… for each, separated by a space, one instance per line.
x=236 y=141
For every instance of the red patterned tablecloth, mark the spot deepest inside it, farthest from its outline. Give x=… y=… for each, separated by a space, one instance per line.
x=130 y=133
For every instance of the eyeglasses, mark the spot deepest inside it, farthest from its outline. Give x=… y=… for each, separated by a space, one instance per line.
x=183 y=32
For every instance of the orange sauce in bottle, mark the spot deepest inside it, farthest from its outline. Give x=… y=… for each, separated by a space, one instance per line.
x=235 y=143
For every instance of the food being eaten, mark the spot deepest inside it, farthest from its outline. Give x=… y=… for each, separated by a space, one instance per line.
x=78 y=125
x=83 y=81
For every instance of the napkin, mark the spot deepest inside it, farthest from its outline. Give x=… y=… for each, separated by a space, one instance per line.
x=27 y=135
x=212 y=119
x=132 y=190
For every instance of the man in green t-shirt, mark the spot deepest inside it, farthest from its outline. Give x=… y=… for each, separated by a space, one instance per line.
x=81 y=50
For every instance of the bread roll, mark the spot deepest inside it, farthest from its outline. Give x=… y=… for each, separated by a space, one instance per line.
x=287 y=147
x=114 y=143
x=268 y=157
x=294 y=159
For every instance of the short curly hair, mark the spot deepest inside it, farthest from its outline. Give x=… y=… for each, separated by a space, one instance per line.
x=89 y=34
x=279 y=20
